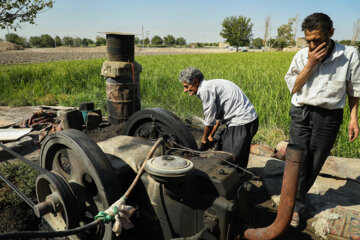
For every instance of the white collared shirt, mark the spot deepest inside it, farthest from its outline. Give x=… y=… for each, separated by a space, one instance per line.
x=224 y=100
x=330 y=80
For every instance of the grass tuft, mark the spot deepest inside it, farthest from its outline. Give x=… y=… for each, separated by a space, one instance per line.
x=22 y=176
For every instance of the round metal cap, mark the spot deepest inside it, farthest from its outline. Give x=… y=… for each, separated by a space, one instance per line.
x=167 y=165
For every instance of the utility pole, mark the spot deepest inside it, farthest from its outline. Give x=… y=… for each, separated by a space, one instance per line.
x=356 y=32
x=142 y=27
x=147 y=36
x=296 y=22
x=267 y=35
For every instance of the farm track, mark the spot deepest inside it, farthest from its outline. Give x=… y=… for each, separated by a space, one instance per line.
x=66 y=53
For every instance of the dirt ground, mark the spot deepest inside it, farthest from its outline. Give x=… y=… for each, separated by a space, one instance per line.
x=68 y=53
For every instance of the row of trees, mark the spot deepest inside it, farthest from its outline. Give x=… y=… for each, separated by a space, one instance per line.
x=350 y=42
x=156 y=40
x=45 y=40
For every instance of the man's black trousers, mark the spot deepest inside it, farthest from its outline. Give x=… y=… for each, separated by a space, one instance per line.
x=237 y=140
x=315 y=129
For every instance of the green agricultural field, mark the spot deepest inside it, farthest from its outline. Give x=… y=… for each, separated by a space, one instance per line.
x=259 y=75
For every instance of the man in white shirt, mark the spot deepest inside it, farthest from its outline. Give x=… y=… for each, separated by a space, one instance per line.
x=319 y=78
x=223 y=101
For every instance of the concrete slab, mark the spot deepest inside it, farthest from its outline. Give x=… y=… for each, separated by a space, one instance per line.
x=13 y=134
x=10 y=116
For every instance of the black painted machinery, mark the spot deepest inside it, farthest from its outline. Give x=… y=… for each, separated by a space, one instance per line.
x=183 y=192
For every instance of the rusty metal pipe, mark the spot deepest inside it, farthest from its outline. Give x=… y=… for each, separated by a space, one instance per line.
x=294 y=155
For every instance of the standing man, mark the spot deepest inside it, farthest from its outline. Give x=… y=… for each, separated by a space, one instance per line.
x=223 y=101
x=319 y=78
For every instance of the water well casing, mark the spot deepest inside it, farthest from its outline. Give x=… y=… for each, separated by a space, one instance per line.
x=122 y=76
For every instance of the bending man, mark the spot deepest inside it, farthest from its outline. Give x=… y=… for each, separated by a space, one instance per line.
x=224 y=101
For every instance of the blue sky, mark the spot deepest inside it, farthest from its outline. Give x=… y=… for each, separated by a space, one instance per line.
x=195 y=20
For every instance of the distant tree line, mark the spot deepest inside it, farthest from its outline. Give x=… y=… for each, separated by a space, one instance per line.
x=348 y=42
x=170 y=41
x=46 y=41
x=167 y=41
x=202 y=45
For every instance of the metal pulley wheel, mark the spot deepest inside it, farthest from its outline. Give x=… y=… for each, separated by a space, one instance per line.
x=57 y=203
x=155 y=122
x=85 y=168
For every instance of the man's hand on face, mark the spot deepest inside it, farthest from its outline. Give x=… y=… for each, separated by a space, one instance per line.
x=353 y=130
x=318 y=54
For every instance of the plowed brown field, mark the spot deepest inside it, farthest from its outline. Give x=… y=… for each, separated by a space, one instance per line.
x=68 y=53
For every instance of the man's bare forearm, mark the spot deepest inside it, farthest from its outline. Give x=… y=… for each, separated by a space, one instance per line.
x=302 y=78
x=213 y=131
x=207 y=131
x=354 y=124
x=354 y=105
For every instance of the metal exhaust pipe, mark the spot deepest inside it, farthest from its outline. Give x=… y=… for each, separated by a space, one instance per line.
x=294 y=155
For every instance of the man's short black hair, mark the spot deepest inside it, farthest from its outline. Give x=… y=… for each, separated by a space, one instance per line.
x=317 y=21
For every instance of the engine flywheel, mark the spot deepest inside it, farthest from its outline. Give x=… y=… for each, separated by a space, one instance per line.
x=85 y=168
x=155 y=122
